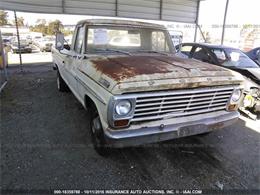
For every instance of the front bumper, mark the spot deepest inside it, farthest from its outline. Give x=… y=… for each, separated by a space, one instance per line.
x=150 y=132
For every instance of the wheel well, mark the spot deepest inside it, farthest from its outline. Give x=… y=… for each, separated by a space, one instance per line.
x=90 y=105
x=55 y=67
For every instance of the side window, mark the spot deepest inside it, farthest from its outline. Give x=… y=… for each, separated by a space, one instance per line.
x=79 y=40
x=220 y=54
x=202 y=55
x=186 y=49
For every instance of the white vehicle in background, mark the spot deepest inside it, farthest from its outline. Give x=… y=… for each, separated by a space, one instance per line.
x=24 y=46
x=29 y=39
x=45 y=44
x=36 y=37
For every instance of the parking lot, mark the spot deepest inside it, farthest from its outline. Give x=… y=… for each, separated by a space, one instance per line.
x=46 y=145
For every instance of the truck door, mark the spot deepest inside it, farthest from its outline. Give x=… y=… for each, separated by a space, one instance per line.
x=76 y=58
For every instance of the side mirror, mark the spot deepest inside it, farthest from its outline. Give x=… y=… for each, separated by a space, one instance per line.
x=59 y=45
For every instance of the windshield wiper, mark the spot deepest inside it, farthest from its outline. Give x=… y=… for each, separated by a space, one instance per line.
x=152 y=51
x=115 y=50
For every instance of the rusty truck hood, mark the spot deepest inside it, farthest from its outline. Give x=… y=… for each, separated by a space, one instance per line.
x=156 y=72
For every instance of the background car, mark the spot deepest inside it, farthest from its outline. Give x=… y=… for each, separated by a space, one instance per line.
x=46 y=43
x=254 y=54
x=233 y=59
x=36 y=39
x=6 y=40
x=29 y=39
x=228 y=57
x=24 y=46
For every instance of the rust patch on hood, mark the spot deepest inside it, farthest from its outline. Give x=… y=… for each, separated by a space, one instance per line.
x=120 y=68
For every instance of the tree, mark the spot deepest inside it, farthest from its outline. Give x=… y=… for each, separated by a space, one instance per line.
x=54 y=27
x=3 y=18
x=20 y=21
x=47 y=29
x=40 y=26
x=41 y=21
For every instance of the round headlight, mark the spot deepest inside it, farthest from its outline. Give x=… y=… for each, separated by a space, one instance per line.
x=236 y=95
x=123 y=107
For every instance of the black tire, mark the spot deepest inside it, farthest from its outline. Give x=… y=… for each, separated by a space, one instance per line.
x=61 y=85
x=97 y=137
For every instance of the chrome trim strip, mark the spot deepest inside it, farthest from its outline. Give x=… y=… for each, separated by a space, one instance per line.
x=171 y=115
x=177 y=110
x=180 y=97
x=177 y=92
x=180 y=105
x=179 y=101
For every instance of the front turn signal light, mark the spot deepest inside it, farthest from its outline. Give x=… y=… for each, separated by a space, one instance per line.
x=121 y=123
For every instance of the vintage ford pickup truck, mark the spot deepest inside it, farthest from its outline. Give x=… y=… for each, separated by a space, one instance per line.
x=137 y=91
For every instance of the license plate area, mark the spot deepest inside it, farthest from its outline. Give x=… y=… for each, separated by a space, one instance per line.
x=193 y=130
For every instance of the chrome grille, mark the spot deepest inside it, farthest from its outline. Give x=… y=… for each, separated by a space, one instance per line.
x=178 y=103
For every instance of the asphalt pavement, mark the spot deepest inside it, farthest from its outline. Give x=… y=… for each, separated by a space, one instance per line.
x=45 y=144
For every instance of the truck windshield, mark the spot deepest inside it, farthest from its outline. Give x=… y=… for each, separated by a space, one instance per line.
x=128 y=39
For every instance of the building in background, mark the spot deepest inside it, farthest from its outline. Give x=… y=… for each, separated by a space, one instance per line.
x=11 y=30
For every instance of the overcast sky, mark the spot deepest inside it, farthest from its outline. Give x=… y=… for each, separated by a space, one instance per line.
x=211 y=12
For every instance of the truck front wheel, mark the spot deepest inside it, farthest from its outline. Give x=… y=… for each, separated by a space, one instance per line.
x=61 y=85
x=97 y=136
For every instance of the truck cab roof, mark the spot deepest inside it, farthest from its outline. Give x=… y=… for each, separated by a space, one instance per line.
x=113 y=22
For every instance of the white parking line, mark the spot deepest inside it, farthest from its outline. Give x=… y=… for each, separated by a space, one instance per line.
x=255 y=125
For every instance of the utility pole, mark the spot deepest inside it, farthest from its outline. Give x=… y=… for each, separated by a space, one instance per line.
x=197 y=21
x=224 y=23
x=18 y=39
